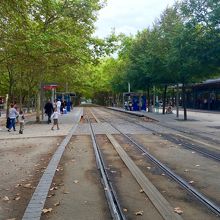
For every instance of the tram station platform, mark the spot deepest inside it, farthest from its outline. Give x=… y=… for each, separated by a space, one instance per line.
x=198 y=121
x=42 y=129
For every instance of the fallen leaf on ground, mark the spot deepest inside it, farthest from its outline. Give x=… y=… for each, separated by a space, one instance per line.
x=17 y=198
x=76 y=181
x=197 y=165
x=53 y=188
x=52 y=194
x=66 y=192
x=139 y=213
x=148 y=168
x=191 y=181
x=47 y=210
x=5 y=198
x=18 y=185
x=125 y=210
x=141 y=190
x=28 y=185
x=178 y=210
x=163 y=174
x=57 y=204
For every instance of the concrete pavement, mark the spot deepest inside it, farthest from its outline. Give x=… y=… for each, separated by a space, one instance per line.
x=207 y=123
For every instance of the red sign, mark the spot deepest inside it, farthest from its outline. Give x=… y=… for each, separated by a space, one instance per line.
x=50 y=87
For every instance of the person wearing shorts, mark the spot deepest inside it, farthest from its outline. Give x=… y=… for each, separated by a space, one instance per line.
x=55 y=117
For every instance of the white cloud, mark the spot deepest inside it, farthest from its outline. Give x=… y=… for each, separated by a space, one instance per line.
x=129 y=16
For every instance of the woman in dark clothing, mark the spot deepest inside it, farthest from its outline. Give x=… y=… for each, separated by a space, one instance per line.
x=49 y=110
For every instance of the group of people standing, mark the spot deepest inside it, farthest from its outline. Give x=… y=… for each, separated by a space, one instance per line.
x=14 y=115
x=53 y=111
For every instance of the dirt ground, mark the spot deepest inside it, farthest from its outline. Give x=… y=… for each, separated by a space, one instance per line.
x=192 y=166
x=79 y=193
x=22 y=163
x=129 y=192
x=177 y=197
x=76 y=191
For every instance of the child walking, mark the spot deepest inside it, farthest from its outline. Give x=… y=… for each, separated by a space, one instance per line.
x=55 y=117
x=21 y=121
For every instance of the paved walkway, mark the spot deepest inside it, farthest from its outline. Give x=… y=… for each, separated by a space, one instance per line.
x=32 y=129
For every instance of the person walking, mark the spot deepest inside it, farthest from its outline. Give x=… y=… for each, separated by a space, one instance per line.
x=49 y=110
x=58 y=103
x=55 y=117
x=62 y=106
x=21 y=121
x=12 y=115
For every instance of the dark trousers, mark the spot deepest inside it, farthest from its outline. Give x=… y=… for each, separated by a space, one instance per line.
x=49 y=118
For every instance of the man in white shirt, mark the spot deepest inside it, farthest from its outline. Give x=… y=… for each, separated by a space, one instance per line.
x=58 y=103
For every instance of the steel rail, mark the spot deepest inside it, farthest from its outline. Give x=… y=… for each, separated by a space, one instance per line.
x=204 y=152
x=203 y=199
x=180 y=129
x=207 y=153
x=114 y=205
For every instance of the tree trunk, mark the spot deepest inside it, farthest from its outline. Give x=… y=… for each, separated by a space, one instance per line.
x=148 y=99
x=177 y=101
x=173 y=95
x=28 y=102
x=38 y=106
x=20 y=99
x=154 y=98
x=9 y=90
x=164 y=98
x=184 y=102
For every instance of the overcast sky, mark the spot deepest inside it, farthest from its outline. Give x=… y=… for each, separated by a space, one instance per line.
x=129 y=16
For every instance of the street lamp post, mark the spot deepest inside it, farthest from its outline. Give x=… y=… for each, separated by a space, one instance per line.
x=129 y=87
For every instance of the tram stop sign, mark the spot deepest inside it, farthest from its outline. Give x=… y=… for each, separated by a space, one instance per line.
x=50 y=87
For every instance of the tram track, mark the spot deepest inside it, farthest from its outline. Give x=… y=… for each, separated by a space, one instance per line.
x=189 y=132
x=160 y=203
x=111 y=193
x=114 y=205
x=200 y=197
x=182 y=141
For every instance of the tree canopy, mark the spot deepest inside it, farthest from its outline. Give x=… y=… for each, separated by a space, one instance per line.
x=52 y=41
